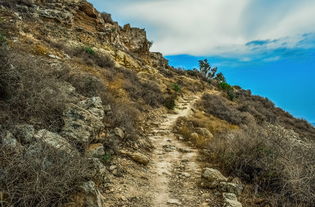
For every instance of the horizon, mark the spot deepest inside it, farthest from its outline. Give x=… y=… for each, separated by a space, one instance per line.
x=271 y=54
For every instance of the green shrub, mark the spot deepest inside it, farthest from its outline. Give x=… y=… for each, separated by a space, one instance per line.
x=220 y=77
x=228 y=89
x=169 y=102
x=176 y=87
x=89 y=50
x=225 y=86
x=107 y=157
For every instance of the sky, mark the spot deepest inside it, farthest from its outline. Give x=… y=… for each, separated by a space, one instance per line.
x=267 y=46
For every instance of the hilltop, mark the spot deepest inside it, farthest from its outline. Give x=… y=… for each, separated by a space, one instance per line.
x=90 y=117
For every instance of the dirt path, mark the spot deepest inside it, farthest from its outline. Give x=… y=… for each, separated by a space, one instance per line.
x=172 y=176
x=174 y=165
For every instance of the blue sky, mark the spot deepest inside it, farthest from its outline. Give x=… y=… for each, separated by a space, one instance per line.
x=267 y=46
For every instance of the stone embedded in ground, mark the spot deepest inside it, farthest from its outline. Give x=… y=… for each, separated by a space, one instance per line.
x=95 y=150
x=185 y=174
x=24 y=132
x=83 y=120
x=230 y=200
x=213 y=175
x=231 y=188
x=204 y=132
x=137 y=157
x=194 y=136
x=119 y=132
x=174 y=202
x=55 y=140
x=10 y=141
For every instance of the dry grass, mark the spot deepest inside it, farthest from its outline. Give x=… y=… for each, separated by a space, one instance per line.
x=265 y=111
x=273 y=159
x=30 y=91
x=39 y=176
x=223 y=109
x=187 y=126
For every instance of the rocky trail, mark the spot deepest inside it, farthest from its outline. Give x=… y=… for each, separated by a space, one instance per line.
x=174 y=166
x=173 y=174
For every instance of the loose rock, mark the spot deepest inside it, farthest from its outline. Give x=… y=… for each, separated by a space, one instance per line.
x=95 y=150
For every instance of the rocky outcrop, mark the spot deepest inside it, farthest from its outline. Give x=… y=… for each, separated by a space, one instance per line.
x=213 y=178
x=230 y=200
x=83 y=120
x=55 y=140
x=213 y=175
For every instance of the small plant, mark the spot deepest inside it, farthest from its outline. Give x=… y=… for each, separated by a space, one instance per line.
x=220 y=77
x=3 y=39
x=107 y=157
x=228 y=89
x=176 y=87
x=89 y=50
x=169 y=102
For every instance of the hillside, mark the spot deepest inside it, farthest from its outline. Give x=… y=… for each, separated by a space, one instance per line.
x=90 y=117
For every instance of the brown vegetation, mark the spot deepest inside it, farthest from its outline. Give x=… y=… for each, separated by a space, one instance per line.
x=39 y=175
x=29 y=92
x=273 y=159
x=265 y=151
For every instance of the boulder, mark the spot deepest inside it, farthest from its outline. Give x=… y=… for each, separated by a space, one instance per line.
x=93 y=197
x=55 y=140
x=213 y=175
x=230 y=200
x=83 y=120
x=24 y=132
x=204 y=132
x=194 y=136
x=9 y=140
x=119 y=132
x=231 y=188
x=137 y=157
x=95 y=150
x=88 y=9
x=174 y=202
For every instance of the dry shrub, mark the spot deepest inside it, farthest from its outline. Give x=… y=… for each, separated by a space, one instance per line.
x=221 y=108
x=30 y=91
x=125 y=115
x=273 y=158
x=265 y=111
x=89 y=57
x=147 y=91
x=39 y=176
x=87 y=84
x=186 y=127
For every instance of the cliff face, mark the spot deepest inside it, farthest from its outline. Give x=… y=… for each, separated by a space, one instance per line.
x=79 y=23
x=81 y=98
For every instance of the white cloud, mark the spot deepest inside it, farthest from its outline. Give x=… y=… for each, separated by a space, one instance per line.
x=216 y=27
